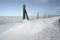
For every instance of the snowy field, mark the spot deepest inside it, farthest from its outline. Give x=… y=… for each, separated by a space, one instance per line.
x=14 y=28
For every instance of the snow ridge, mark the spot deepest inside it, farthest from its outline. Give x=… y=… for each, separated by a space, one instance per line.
x=41 y=29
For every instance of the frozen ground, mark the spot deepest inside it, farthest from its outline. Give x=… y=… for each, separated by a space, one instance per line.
x=40 y=29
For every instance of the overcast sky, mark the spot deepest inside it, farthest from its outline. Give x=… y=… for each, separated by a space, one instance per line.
x=15 y=7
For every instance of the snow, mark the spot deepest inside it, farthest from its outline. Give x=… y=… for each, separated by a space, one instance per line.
x=40 y=29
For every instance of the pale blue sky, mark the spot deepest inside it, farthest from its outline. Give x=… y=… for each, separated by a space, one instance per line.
x=15 y=7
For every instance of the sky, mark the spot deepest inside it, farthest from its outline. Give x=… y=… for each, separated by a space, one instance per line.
x=15 y=7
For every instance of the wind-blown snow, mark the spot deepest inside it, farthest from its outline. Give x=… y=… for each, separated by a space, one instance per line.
x=41 y=29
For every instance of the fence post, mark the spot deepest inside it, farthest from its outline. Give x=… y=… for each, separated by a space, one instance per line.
x=25 y=13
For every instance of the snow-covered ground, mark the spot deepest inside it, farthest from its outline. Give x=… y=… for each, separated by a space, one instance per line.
x=40 y=29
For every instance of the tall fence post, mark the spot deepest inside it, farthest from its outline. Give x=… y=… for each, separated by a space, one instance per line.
x=25 y=13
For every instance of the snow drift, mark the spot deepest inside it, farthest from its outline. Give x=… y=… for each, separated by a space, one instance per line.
x=41 y=29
